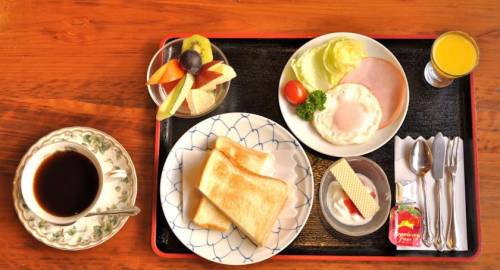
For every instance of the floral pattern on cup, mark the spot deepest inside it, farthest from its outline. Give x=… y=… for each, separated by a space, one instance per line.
x=117 y=192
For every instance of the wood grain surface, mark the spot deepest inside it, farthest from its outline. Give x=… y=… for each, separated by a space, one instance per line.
x=69 y=63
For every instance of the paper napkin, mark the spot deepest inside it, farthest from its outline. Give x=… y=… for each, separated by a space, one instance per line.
x=402 y=172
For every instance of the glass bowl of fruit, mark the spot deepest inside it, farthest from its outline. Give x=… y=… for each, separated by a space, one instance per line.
x=188 y=77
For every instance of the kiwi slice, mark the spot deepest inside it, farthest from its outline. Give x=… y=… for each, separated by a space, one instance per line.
x=200 y=44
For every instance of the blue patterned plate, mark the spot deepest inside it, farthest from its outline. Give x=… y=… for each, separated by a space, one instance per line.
x=233 y=247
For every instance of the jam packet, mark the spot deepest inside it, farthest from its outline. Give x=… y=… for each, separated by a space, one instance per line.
x=405 y=221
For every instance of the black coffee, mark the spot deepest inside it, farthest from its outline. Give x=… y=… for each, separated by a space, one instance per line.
x=66 y=183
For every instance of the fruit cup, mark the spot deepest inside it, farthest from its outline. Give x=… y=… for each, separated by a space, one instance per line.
x=159 y=92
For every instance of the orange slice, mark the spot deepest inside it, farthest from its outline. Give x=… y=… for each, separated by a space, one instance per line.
x=168 y=72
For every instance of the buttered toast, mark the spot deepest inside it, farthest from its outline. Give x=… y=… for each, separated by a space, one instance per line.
x=253 y=202
x=208 y=216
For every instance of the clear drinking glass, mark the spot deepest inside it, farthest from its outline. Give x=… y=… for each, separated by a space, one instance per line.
x=454 y=54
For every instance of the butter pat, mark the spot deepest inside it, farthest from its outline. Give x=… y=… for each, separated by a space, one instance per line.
x=354 y=188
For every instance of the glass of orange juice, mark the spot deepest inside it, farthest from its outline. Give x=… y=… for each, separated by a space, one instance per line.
x=454 y=54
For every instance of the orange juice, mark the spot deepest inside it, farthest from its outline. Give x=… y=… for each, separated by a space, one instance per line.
x=454 y=54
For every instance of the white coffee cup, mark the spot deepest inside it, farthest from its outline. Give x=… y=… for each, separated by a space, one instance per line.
x=34 y=162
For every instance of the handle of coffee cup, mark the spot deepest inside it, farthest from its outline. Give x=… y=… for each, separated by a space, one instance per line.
x=116 y=174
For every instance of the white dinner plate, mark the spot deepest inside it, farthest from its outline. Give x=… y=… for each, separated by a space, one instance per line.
x=232 y=247
x=305 y=131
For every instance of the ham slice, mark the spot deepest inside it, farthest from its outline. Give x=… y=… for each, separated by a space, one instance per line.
x=385 y=81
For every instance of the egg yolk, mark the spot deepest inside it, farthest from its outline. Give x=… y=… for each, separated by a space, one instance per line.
x=349 y=116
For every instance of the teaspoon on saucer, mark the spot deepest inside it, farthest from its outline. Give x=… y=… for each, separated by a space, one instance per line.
x=128 y=211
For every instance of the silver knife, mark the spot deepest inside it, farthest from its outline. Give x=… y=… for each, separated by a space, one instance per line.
x=438 y=153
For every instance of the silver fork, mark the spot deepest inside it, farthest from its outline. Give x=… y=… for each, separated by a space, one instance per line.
x=450 y=164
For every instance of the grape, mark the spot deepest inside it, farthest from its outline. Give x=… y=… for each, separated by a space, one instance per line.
x=191 y=61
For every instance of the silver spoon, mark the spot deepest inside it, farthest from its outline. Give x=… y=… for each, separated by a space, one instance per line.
x=127 y=211
x=420 y=163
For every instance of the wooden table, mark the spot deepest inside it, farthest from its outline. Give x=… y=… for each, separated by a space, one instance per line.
x=83 y=63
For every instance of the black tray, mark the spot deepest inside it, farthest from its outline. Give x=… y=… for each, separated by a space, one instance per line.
x=258 y=63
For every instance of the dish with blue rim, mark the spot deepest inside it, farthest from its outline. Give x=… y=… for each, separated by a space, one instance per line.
x=233 y=247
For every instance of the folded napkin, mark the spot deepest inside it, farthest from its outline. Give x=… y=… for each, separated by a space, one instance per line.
x=281 y=167
x=412 y=191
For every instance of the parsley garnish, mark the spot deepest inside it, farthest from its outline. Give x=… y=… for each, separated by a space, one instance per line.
x=315 y=102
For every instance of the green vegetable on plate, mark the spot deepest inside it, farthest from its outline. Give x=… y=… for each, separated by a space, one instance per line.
x=315 y=102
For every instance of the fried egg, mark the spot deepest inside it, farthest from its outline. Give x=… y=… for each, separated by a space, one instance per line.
x=352 y=114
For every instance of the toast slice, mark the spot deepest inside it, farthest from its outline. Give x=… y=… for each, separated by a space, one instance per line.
x=252 y=160
x=193 y=163
x=192 y=199
x=209 y=217
x=205 y=214
x=253 y=202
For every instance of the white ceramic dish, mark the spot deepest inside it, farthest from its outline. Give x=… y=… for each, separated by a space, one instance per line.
x=304 y=130
x=232 y=247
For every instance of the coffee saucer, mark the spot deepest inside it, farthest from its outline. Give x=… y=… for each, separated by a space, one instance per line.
x=87 y=232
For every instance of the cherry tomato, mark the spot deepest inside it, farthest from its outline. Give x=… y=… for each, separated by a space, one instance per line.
x=295 y=92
